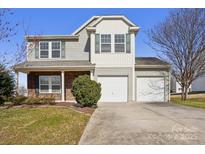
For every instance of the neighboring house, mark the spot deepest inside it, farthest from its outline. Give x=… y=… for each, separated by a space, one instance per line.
x=198 y=85
x=104 y=48
x=176 y=87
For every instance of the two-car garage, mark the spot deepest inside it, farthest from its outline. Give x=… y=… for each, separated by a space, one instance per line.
x=148 y=89
x=150 y=82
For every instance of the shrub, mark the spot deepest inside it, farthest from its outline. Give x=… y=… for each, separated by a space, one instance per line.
x=86 y=91
x=40 y=100
x=48 y=100
x=18 y=100
x=32 y=101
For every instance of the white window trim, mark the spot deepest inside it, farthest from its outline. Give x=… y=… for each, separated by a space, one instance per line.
x=40 y=49
x=49 y=50
x=52 y=51
x=120 y=43
x=113 y=44
x=106 y=43
x=49 y=84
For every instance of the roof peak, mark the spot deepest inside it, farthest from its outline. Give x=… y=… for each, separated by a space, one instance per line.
x=98 y=19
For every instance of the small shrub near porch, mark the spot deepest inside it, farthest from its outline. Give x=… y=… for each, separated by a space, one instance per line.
x=86 y=91
x=20 y=100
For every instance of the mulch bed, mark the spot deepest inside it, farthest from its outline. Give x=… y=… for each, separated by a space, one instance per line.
x=75 y=107
x=70 y=105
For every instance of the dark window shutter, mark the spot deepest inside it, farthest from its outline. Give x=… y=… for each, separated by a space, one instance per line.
x=63 y=49
x=37 y=50
x=128 y=43
x=97 y=43
x=36 y=84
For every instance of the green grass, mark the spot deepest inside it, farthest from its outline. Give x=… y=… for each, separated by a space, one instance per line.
x=41 y=126
x=194 y=100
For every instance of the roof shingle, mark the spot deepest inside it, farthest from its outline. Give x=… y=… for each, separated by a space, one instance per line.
x=149 y=61
x=57 y=63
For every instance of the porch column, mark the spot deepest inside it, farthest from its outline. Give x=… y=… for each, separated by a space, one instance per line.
x=17 y=83
x=92 y=74
x=132 y=36
x=62 y=87
x=92 y=46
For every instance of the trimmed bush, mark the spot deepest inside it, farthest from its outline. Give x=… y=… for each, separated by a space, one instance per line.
x=86 y=91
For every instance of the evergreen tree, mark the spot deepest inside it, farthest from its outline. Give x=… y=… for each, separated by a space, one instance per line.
x=7 y=83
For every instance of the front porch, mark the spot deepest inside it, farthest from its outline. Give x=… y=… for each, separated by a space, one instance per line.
x=46 y=80
x=64 y=94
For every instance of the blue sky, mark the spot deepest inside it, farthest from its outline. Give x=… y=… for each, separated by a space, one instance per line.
x=65 y=21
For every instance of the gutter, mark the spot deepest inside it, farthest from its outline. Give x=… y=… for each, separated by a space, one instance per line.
x=51 y=37
x=152 y=66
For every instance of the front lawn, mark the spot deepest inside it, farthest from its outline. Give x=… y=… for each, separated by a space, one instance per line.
x=194 y=100
x=51 y=125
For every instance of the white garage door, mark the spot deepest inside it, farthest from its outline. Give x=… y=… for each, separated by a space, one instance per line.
x=150 y=89
x=114 y=89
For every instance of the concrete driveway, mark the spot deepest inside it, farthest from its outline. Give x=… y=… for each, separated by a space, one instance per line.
x=134 y=123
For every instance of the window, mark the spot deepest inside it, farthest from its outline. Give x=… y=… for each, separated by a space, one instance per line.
x=105 y=43
x=50 y=49
x=55 y=84
x=44 y=50
x=44 y=84
x=49 y=84
x=56 y=49
x=119 y=43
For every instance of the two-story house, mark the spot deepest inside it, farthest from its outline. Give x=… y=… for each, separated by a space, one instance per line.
x=104 y=48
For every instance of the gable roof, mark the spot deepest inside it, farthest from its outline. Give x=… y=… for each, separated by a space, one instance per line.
x=125 y=19
x=98 y=19
x=84 y=25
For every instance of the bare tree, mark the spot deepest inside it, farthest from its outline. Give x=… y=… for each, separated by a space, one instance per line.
x=24 y=49
x=180 y=40
x=7 y=28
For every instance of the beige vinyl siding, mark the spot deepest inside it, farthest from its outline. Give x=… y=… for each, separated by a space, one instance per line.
x=78 y=50
x=31 y=51
x=113 y=59
x=74 y=49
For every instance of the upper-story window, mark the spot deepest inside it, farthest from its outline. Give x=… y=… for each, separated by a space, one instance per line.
x=56 y=48
x=105 y=43
x=50 y=49
x=44 y=49
x=119 y=43
x=113 y=43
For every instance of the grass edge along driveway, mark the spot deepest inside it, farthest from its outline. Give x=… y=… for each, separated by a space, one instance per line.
x=193 y=100
x=49 y=125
